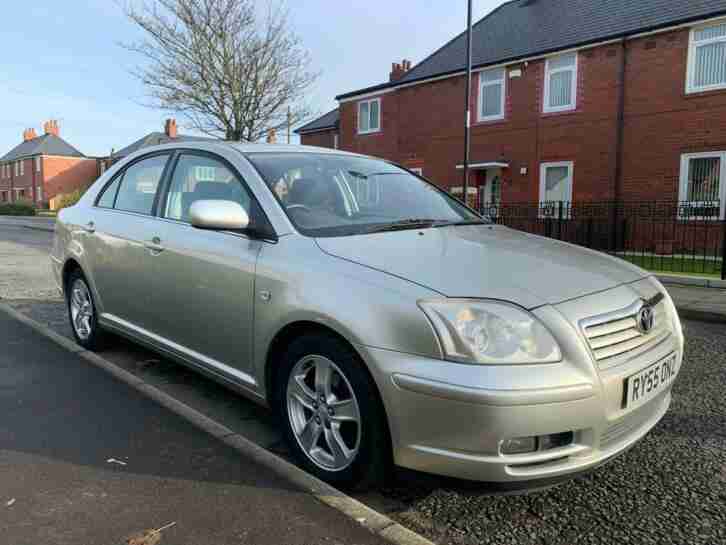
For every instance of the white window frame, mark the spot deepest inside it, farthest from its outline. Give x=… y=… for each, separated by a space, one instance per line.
x=39 y=193
x=546 y=108
x=37 y=164
x=543 y=182
x=15 y=169
x=22 y=167
x=683 y=182
x=691 y=71
x=360 y=106
x=336 y=141
x=483 y=83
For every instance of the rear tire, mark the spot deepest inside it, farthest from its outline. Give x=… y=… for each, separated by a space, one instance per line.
x=82 y=312
x=332 y=418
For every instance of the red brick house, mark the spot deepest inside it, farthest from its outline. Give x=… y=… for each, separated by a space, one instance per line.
x=574 y=100
x=42 y=167
x=323 y=131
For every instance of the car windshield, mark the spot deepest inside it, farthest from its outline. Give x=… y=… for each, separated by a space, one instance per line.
x=328 y=195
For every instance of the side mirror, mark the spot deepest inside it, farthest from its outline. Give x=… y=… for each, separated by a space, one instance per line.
x=218 y=215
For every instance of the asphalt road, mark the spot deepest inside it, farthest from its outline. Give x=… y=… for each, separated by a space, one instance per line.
x=24 y=263
x=64 y=423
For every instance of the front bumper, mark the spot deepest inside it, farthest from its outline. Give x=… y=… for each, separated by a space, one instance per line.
x=449 y=419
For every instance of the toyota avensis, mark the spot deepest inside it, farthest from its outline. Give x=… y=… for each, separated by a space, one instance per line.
x=381 y=319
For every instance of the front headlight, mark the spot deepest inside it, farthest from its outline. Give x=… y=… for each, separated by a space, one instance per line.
x=490 y=332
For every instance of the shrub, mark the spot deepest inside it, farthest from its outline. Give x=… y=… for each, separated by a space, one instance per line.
x=70 y=199
x=17 y=209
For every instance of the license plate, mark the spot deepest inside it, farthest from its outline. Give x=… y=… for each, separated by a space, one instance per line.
x=646 y=384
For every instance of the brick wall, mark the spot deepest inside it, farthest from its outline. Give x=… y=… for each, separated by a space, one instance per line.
x=662 y=121
x=323 y=139
x=66 y=174
x=18 y=187
x=422 y=125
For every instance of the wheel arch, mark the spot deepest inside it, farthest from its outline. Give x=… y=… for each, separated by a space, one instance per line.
x=69 y=266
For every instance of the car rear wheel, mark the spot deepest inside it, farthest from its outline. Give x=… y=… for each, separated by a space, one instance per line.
x=332 y=417
x=82 y=312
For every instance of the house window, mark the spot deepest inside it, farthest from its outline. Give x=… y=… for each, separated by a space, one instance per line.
x=15 y=168
x=369 y=116
x=555 y=186
x=707 y=59
x=335 y=141
x=37 y=164
x=22 y=167
x=39 y=193
x=702 y=190
x=492 y=92
x=418 y=171
x=561 y=83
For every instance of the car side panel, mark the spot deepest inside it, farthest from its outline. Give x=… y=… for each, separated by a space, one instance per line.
x=297 y=282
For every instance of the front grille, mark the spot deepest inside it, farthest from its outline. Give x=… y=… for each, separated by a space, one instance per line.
x=615 y=337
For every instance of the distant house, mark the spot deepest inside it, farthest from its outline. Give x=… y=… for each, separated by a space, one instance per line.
x=42 y=167
x=169 y=135
x=323 y=131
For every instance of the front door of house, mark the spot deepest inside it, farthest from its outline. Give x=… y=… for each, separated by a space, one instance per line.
x=490 y=192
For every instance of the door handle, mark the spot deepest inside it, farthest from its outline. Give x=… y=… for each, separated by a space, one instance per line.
x=154 y=245
x=90 y=227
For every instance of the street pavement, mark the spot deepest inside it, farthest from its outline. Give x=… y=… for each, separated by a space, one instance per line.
x=84 y=459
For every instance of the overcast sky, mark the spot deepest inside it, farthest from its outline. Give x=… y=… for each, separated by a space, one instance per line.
x=62 y=60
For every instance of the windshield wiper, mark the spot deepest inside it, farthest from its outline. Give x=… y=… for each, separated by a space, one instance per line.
x=410 y=223
x=464 y=222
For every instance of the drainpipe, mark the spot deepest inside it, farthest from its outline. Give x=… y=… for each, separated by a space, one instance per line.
x=618 y=169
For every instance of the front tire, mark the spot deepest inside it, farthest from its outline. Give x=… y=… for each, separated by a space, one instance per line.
x=332 y=418
x=82 y=312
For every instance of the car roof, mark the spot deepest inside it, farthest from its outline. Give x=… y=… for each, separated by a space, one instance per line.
x=244 y=148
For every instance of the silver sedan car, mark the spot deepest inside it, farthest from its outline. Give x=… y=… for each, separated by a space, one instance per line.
x=382 y=320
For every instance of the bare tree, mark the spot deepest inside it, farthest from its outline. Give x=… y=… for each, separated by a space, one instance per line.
x=228 y=70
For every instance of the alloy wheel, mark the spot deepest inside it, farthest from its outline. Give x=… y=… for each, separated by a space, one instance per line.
x=81 y=309
x=324 y=413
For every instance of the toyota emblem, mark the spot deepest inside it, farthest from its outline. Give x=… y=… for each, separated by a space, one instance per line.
x=645 y=319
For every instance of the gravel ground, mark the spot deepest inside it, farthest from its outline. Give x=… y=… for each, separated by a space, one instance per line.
x=669 y=488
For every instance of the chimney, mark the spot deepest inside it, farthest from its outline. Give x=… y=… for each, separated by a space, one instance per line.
x=29 y=134
x=170 y=128
x=398 y=70
x=51 y=127
x=271 y=136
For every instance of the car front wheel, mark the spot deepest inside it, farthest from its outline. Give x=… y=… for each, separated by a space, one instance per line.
x=333 y=419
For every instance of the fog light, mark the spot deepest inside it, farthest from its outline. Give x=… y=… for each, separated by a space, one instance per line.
x=555 y=440
x=520 y=445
